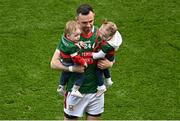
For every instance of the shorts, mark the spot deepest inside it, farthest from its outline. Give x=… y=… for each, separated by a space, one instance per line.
x=89 y=103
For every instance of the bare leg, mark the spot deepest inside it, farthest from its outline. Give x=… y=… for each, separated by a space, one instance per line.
x=66 y=119
x=93 y=117
x=69 y=117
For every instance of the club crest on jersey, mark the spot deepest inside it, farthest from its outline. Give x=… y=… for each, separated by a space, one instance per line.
x=71 y=107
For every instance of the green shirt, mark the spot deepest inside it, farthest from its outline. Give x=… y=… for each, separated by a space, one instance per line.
x=67 y=48
x=90 y=81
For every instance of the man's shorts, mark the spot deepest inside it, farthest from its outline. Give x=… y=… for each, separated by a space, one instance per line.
x=89 y=103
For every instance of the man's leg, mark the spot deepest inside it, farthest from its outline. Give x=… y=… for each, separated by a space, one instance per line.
x=69 y=117
x=95 y=107
x=74 y=106
x=93 y=117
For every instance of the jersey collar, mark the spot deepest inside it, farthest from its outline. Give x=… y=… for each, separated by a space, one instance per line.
x=89 y=34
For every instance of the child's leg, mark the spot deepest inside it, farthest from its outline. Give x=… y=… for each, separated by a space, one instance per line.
x=64 y=78
x=108 y=77
x=101 y=87
x=106 y=73
x=80 y=79
x=62 y=82
x=77 y=84
x=100 y=78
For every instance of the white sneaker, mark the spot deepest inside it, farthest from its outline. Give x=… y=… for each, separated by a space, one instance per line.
x=76 y=93
x=108 y=83
x=60 y=90
x=101 y=90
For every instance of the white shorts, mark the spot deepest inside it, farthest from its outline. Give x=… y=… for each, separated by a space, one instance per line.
x=89 y=103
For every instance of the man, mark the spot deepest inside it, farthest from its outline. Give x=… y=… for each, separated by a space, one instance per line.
x=90 y=104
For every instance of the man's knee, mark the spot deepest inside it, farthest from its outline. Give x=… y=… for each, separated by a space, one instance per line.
x=93 y=117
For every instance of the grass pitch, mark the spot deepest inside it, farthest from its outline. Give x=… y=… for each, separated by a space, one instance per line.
x=146 y=74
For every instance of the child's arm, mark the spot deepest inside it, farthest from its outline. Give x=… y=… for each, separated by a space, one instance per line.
x=57 y=65
x=98 y=55
x=78 y=59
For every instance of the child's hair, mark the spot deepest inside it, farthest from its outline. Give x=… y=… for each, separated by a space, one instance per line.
x=71 y=27
x=111 y=27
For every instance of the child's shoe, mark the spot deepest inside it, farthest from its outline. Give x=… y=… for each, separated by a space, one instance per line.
x=108 y=82
x=101 y=90
x=60 y=90
x=76 y=93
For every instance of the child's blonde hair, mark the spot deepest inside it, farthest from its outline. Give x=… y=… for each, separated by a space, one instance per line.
x=71 y=27
x=111 y=27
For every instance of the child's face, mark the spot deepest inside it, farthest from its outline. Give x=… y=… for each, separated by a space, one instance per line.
x=75 y=36
x=104 y=34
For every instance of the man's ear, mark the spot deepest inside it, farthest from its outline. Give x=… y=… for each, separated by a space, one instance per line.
x=76 y=18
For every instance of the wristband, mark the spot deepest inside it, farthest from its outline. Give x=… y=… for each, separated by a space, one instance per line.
x=70 y=68
x=111 y=64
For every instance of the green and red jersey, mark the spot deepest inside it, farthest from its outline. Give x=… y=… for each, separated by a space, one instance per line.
x=105 y=47
x=69 y=51
x=90 y=82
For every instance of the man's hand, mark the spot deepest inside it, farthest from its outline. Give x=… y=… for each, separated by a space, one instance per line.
x=81 y=43
x=57 y=65
x=78 y=69
x=104 y=64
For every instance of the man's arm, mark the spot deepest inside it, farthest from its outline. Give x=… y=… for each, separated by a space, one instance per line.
x=57 y=65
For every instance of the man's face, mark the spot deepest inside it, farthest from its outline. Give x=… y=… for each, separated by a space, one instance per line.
x=86 y=22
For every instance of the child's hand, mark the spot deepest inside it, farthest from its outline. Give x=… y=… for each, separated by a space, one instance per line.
x=81 y=43
x=85 y=65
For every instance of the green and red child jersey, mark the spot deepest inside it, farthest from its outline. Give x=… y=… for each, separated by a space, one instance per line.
x=90 y=82
x=69 y=52
x=105 y=47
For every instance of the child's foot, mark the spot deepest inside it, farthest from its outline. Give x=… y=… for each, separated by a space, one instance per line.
x=101 y=90
x=108 y=83
x=60 y=90
x=76 y=93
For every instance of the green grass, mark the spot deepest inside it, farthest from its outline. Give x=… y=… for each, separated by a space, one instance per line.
x=146 y=74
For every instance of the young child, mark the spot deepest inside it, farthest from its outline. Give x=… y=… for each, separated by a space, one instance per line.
x=69 y=53
x=110 y=42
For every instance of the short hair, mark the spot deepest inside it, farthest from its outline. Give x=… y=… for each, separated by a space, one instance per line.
x=111 y=27
x=70 y=27
x=84 y=9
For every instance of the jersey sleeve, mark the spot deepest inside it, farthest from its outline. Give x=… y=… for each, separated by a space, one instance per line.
x=98 y=55
x=105 y=47
x=71 y=50
x=67 y=47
